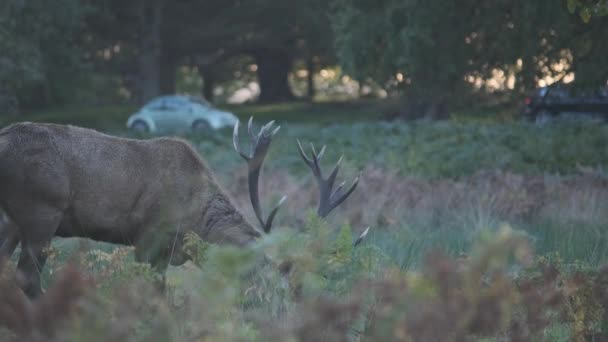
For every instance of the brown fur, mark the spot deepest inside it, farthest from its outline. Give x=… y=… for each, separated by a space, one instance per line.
x=67 y=181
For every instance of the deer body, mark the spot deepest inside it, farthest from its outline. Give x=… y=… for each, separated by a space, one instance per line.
x=73 y=182
x=67 y=181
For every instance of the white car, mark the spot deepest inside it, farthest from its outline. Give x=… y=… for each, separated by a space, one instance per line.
x=179 y=113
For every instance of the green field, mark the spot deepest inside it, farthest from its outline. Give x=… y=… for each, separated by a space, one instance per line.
x=499 y=199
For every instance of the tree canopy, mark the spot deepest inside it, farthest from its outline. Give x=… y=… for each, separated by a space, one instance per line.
x=439 y=44
x=40 y=46
x=429 y=52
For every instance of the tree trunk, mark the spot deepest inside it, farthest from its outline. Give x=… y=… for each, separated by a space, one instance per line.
x=209 y=81
x=310 y=66
x=437 y=109
x=9 y=104
x=209 y=86
x=150 y=49
x=273 y=71
x=528 y=75
x=168 y=70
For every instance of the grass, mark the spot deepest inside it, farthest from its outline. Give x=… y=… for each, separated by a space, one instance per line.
x=480 y=191
x=444 y=149
x=319 y=113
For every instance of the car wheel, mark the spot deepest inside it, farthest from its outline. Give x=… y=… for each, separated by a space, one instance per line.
x=140 y=126
x=201 y=126
x=543 y=117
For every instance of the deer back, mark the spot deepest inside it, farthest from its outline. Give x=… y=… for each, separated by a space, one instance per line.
x=111 y=188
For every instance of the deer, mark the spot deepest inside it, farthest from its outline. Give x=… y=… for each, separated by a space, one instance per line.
x=68 y=181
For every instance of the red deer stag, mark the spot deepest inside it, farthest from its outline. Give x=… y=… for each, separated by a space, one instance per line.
x=68 y=181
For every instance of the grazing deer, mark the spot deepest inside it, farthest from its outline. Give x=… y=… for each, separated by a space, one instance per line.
x=68 y=181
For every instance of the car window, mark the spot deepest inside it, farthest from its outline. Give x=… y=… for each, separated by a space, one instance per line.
x=176 y=102
x=199 y=100
x=167 y=103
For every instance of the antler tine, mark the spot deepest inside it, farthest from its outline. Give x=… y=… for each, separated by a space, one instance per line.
x=361 y=237
x=275 y=130
x=321 y=153
x=315 y=160
x=235 y=141
x=258 y=149
x=332 y=176
x=267 y=127
x=328 y=200
x=273 y=213
x=341 y=198
x=252 y=137
x=314 y=151
x=337 y=191
x=307 y=160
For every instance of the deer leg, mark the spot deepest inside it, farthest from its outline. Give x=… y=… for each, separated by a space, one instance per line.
x=31 y=263
x=36 y=231
x=8 y=246
x=160 y=265
x=157 y=259
x=9 y=239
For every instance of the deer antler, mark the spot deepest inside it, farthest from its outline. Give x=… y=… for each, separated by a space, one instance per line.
x=328 y=200
x=255 y=158
x=258 y=147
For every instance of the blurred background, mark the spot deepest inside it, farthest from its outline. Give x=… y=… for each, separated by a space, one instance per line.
x=427 y=58
x=477 y=128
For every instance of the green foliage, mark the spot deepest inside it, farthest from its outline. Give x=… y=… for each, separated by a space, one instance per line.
x=583 y=307
x=84 y=51
x=452 y=149
x=38 y=44
x=587 y=9
x=195 y=248
x=496 y=289
x=343 y=247
x=436 y=44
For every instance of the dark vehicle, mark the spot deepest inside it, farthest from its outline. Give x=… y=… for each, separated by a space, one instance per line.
x=547 y=102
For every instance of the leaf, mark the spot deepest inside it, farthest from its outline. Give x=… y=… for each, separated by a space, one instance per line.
x=344 y=244
x=572 y=4
x=585 y=14
x=195 y=248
